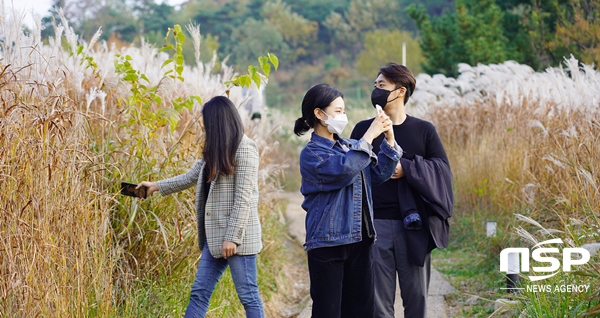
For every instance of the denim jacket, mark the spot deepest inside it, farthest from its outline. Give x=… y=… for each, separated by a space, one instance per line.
x=334 y=174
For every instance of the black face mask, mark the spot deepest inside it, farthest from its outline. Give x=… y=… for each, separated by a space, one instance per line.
x=379 y=96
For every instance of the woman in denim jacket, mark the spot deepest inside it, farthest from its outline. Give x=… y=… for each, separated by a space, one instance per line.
x=337 y=175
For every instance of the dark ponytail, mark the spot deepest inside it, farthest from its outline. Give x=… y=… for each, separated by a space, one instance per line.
x=319 y=96
x=301 y=126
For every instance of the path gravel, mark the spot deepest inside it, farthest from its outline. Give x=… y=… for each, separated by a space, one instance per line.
x=438 y=287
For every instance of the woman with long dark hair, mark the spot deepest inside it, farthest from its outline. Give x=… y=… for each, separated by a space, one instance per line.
x=229 y=231
x=337 y=175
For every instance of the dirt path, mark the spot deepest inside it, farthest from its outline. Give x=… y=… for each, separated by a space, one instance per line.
x=438 y=288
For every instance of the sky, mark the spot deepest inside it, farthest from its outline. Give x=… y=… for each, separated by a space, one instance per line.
x=41 y=7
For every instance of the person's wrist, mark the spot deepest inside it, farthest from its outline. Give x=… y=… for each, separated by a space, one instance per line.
x=368 y=138
x=390 y=138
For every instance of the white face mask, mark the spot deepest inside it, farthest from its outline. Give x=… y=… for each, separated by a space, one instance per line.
x=336 y=124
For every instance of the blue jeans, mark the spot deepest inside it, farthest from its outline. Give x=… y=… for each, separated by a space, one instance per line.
x=243 y=273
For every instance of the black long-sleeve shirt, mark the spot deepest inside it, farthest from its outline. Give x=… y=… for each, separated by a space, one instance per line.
x=415 y=137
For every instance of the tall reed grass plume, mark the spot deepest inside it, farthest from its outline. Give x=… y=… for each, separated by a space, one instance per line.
x=71 y=246
x=524 y=144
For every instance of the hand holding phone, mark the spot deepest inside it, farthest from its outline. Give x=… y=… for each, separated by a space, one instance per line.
x=389 y=133
x=132 y=190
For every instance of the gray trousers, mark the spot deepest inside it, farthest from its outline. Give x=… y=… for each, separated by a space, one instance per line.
x=390 y=256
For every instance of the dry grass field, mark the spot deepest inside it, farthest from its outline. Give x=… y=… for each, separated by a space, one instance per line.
x=72 y=129
x=525 y=151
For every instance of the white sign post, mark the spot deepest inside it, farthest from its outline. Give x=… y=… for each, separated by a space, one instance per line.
x=491 y=228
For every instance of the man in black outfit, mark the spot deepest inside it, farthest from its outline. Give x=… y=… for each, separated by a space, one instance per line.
x=408 y=228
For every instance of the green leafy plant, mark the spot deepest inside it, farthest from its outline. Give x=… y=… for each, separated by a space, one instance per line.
x=85 y=57
x=253 y=74
x=144 y=104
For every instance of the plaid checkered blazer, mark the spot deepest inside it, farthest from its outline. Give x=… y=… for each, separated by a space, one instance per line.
x=231 y=210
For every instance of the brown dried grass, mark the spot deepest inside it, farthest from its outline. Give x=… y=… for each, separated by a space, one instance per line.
x=54 y=222
x=544 y=165
x=559 y=157
x=71 y=245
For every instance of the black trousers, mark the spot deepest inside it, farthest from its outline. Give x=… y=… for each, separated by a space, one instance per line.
x=341 y=280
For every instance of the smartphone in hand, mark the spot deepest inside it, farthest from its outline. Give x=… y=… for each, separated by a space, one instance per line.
x=129 y=189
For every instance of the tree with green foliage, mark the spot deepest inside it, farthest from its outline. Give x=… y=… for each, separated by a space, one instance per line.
x=538 y=20
x=578 y=30
x=210 y=45
x=318 y=10
x=224 y=20
x=480 y=31
x=519 y=42
x=439 y=41
x=253 y=38
x=472 y=34
x=154 y=18
x=433 y=7
x=297 y=31
x=114 y=18
x=348 y=29
x=534 y=32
